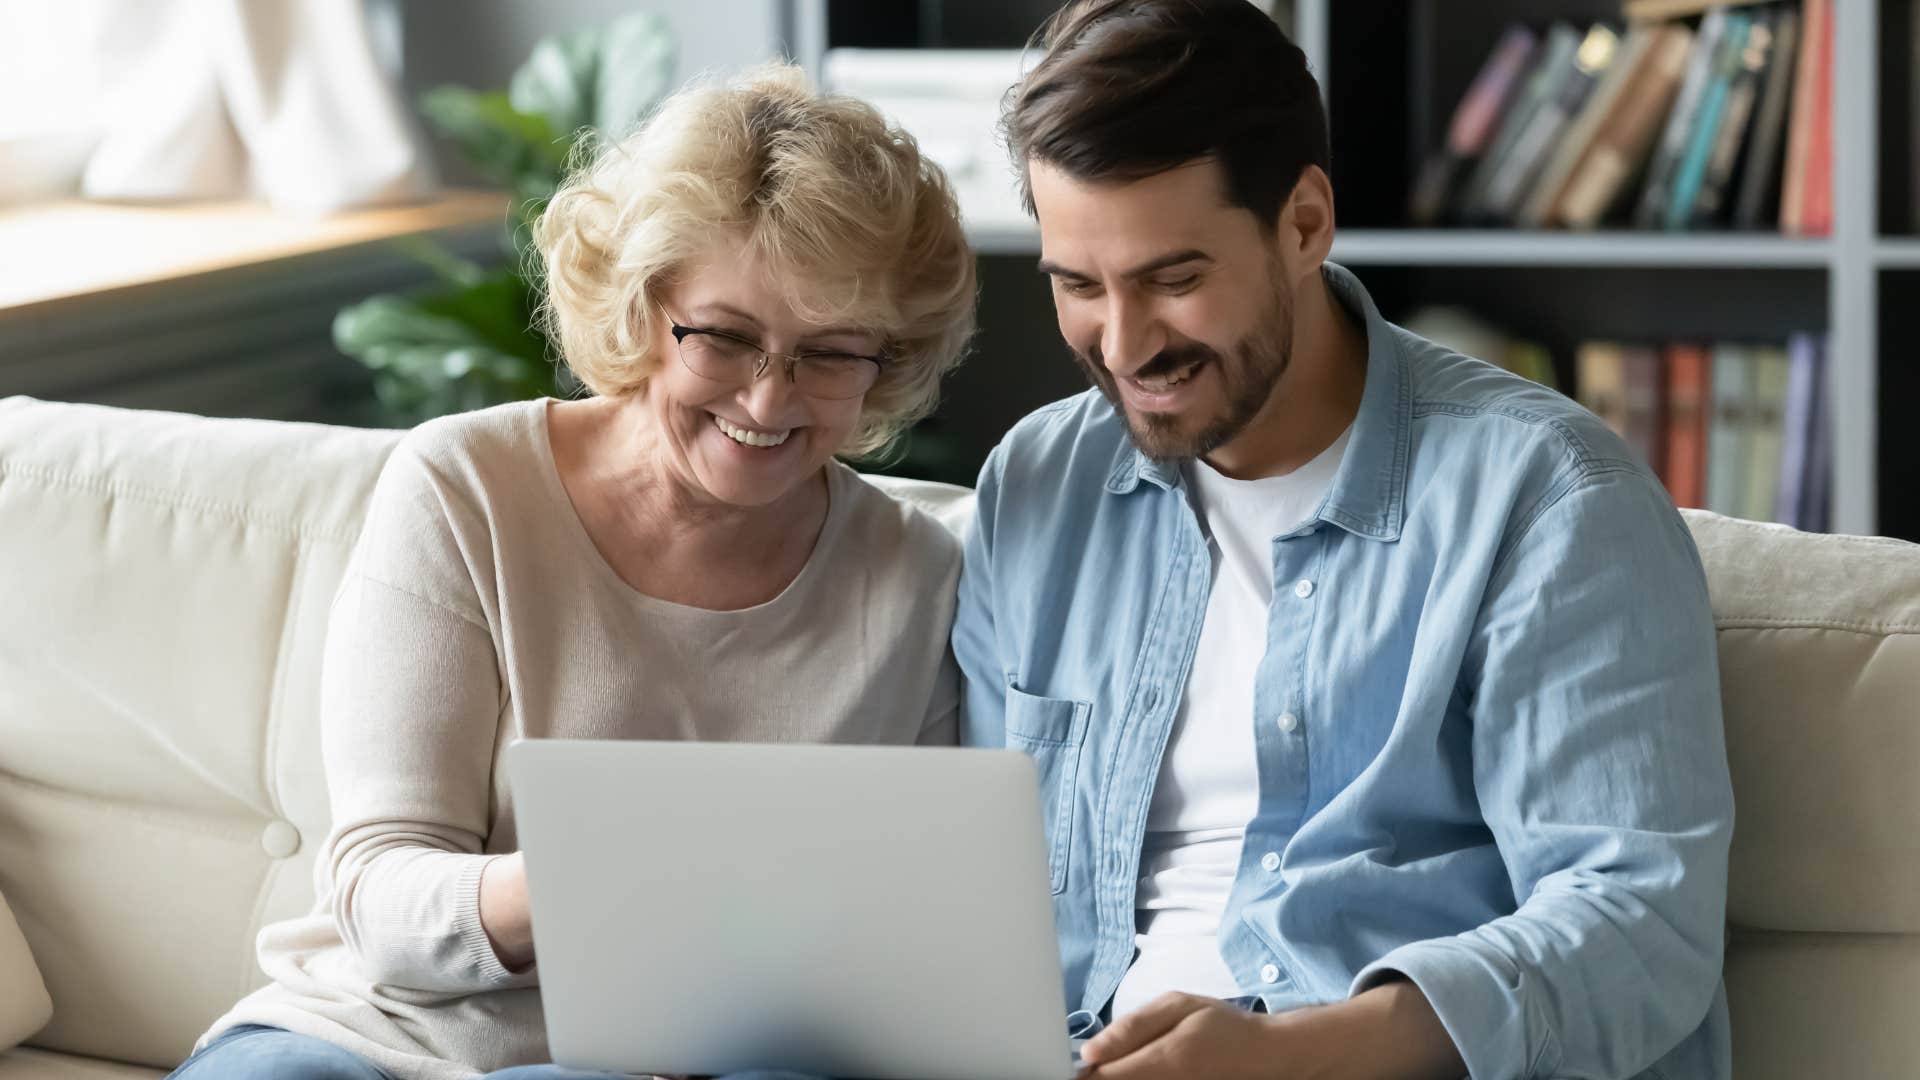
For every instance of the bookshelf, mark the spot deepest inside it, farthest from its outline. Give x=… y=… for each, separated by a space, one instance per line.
x=1392 y=71
x=1847 y=266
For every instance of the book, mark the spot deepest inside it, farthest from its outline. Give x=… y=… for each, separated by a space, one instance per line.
x=1468 y=334
x=1913 y=114
x=1803 y=376
x=1816 y=499
x=1623 y=142
x=1793 y=184
x=1643 y=393
x=1657 y=192
x=1544 y=129
x=1599 y=371
x=1763 y=438
x=1474 y=123
x=1816 y=218
x=1705 y=127
x=1552 y=62
x=1531 y=360
x=1729 y=403
x=1759 y=199
x=1637 y=10
x=1736 y=122
x=1545 y=191
x=1689 y=391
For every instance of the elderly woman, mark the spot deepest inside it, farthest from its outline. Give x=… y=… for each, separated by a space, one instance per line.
x=758 y=280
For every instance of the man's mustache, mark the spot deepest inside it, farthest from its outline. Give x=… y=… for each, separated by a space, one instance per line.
x=1166 y=362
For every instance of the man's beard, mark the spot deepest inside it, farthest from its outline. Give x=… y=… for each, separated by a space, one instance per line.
x=1248 y=372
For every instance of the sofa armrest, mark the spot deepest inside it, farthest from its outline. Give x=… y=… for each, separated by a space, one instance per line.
x=24 y=1005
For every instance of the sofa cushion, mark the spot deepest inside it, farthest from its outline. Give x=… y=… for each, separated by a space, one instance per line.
x=1820 y=678
x=24 y=1004
x=1819 y=650
x=166 y=594
x=29 y=1064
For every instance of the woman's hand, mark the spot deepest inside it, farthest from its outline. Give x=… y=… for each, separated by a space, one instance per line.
x=503 y=911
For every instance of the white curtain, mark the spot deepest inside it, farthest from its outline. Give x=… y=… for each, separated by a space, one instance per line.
x=281 y=100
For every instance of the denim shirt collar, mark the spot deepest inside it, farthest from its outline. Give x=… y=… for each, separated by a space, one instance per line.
x=1368 y=495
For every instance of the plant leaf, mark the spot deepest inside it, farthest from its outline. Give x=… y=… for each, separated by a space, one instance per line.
x=637 y=64
x=496 y=310
x=557 y=82
x=426 y=364
x=380 y=329
x=435 y=256
x=505 y=143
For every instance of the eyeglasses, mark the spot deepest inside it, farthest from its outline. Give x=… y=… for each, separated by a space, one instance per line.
x=725 y=357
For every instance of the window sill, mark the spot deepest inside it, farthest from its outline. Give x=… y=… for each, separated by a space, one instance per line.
x=59 y=254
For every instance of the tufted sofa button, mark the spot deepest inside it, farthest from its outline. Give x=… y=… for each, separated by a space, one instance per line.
x=280 y=839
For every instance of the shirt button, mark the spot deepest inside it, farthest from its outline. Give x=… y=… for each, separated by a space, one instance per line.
x=1270 y=861
x=1288 y=722
x=1303 y=588
x=1270 y=974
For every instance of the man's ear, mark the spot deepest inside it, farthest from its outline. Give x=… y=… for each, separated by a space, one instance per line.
x=1306 y=224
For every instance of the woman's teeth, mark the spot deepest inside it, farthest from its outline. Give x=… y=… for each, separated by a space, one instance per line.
x=750 y=438
x=1163 y=383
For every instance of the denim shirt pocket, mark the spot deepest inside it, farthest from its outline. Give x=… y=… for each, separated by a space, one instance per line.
x=1051 y=731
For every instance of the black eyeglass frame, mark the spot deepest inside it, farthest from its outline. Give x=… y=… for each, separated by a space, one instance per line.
x=791 y=361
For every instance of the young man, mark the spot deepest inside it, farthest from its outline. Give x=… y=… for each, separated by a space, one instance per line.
x=1373 y=689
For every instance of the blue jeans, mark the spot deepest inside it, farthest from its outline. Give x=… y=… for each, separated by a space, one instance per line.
x=251 y=1052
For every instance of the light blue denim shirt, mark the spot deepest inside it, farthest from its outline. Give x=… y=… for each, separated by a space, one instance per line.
x=1487 y=719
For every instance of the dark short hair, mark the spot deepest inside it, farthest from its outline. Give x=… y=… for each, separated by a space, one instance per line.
x=1127 y=89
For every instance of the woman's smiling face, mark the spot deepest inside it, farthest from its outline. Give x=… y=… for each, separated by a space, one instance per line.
x=746 y=441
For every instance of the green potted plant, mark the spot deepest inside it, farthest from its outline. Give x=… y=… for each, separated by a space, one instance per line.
x=471 y=340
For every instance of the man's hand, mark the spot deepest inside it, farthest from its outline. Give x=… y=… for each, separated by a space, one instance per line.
x=1389 y=1031
x=1181 y=1036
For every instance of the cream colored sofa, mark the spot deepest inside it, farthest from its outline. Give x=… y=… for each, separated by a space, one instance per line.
x=164 y=585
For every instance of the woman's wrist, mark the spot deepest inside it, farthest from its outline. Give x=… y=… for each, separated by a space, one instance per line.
x=503 y=911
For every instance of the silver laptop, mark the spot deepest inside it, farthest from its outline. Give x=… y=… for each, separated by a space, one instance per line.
x=844 y=911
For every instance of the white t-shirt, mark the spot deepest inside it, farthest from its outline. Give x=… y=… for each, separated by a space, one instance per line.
x=1209 y=782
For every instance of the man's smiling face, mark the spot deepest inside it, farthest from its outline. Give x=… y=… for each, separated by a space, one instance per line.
x=1172 y=300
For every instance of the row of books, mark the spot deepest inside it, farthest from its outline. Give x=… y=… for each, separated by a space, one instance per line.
x=1723 y=121
x=1738 y=429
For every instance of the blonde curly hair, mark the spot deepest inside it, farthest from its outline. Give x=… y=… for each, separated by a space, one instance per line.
x=837 y=203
